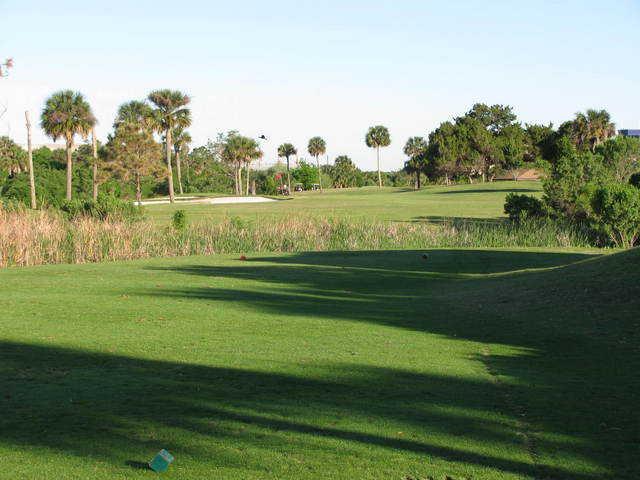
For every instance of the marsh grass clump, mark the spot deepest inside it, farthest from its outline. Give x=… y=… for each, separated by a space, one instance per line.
x=179 y=220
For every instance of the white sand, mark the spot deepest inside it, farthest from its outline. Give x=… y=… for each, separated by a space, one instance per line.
x=210 y=201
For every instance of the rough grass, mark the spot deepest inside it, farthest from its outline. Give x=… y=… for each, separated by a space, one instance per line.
x=370 y=365
x=35 y=238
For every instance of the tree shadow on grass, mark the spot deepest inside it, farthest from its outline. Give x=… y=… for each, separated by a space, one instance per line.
x=488 y=190
x=443 y=219
x=113 y=408
x=577 y=321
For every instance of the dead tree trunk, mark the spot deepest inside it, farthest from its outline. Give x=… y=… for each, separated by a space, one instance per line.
x=94 y=146
x=32 y=182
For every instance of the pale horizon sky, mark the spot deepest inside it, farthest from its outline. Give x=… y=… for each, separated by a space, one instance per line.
x=295 y=69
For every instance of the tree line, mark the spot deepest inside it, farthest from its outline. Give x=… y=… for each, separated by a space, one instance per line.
x=477 y=146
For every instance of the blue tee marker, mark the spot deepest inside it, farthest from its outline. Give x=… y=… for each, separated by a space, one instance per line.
x=161 y=461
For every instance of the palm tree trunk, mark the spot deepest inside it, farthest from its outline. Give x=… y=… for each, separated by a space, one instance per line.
x=319 y=174
x=169 y=169
x=179 y=173
x=379 y=174
x=94 y=147
x=239 y=192
x=418 y=179
x=69 y=167
x=248 y=171
x=288 y=177
x=32 y=182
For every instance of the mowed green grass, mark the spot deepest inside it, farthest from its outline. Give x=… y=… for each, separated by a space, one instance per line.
x=396 y=204
x=370 y=365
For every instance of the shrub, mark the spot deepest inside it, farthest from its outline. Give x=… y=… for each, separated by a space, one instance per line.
x=106 y=207
x=616 y=212
x=179 y=220
x=521 y=207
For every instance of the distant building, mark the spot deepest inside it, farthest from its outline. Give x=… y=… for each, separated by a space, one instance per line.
x=630 y=133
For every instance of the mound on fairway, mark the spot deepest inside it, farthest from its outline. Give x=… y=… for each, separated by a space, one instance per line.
x=369 y=365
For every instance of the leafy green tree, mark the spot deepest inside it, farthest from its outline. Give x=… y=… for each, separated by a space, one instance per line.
x=205 y=170
x=571 y=181
x=513 y=144
x=540 y=142
x=65 y=115
x=621 y=155
x=133 y=153
x=415 y=149
x=344 y=173
x=616 y=208
x=181 y=141
x=376 y=137
x=317 y=147
x=170 y=112
x=495 y=117
x=287 y=150
x=478 y=147
x=444 y=152
x=305 y=174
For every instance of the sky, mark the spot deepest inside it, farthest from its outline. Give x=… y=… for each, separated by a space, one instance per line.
x=291 y=70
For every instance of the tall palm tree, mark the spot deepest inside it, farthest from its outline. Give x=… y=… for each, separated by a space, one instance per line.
x=415 y=149
x=317 y=146
x=251 y=151
x=181 y=141
x=170 y=112
x=240 y=151
x=590 y=129
x=286 y=150
x=377 y=137
x=135 y=112
x=601 y=127
x=67 y=114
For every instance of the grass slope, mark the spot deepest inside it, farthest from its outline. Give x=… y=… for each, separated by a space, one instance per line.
x=370 y=365
x=399 y=204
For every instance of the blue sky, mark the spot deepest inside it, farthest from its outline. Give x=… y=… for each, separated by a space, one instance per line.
x=295 y=69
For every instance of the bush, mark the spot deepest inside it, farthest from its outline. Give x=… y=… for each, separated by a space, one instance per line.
x=179 y=220
x=616 y=213
x=522 y=207
x=106 y=207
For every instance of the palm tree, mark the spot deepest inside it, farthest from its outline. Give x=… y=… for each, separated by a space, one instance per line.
x=170 y=113
x=239 y=150
x=601 y=127
x=590 y=129
x=181 y=141
x=67 y=114
x=251 y=152
x=415 y=149
x=317 y=147
x=135 y=112
x=286 y=150
x=377 y=137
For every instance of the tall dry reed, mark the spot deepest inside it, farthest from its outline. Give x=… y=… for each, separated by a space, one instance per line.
x=43 y=237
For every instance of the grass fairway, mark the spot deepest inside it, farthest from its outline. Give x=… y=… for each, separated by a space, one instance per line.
x=398 y=204
x=371 y=365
